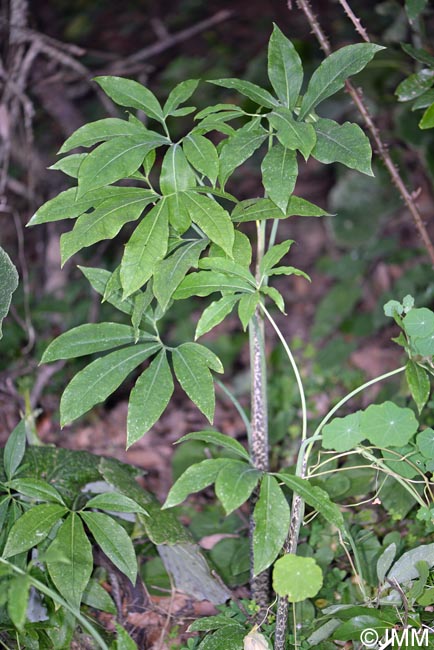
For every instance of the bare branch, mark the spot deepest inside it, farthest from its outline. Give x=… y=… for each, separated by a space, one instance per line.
x=356 y=21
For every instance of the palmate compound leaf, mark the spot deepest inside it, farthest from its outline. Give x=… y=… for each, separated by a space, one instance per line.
x=388 y=425
x=334 y=70
x=279 y=173
x=8 y=284
x=271 y=516
x=343 y=434
x=149 y=398
x=345 y=143
x=285 y=70
x=100 y=378
x=235 y=483
x=297 y=577
x=69 y=560
x=195 y=478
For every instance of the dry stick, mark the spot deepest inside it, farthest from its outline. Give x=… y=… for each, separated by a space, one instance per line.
x=356 y=21
x=382 y=149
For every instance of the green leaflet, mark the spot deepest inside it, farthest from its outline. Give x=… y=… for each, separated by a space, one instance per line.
x=274 y=255
x=126 y=92
x=179 y=95
x=70 y=164
x=292 y=134
x=419 y=384
x=115 y=502
x=285 y=70
x=14 y=449
x=235 y=483
x=227 y=266
x=170 y=272
x=192 y=372
x=32 y=528
x=275 y=296
x=414 y=8
x=279 y=174
x=242 y=250
x=334 y=70
x=114 y=541
x=36 y=489
x=176 y=174
x=113 y=160
x=259 y=209
x=297 y=577
x=179 y=217
x=415 y=85
x=99 y=280
x=100 y=378
x=252 y=91
x=18 y=599
x=101 y=130
x=149 y=398
x=146 y=246
x=8 y=284
x=219 y=439
x=211 y=218
x=238 y=148
x=271 y=516
x=69 y=560
x=105 y=221
x=247 y=307
x=88 y=339
x=427 y=121
x=205 y=282
x=344 y=143
x=202 y=154
x=195 y=478
x=214 y=314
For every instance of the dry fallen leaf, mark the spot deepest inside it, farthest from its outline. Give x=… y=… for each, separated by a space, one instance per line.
x=255 y=641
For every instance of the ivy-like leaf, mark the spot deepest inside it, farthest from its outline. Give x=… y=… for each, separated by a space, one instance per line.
x=235 y=483
x=9 y=282
x=419 y=323
x=297 y=577
x=238 y=148
x=344 y=143
x=211 y=218
x=195 y=378
x=146 y=246
x=271 y=516
x=214 y=314
x=334 y=70
x=32 y=528
x=285 y=70
x=179 y=95
x=196 y=477
x=102 y=130
x=202 y=154
x=127 y=92
x=100 y=378
x=252 y=91
x=343 y=434
x=149 y=398
x=388 y=425
x=279 y=174
x=425 y=443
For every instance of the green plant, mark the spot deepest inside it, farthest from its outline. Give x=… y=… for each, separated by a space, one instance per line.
x=188 y=225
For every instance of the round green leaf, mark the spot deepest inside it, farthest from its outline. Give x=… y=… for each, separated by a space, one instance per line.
x=425 y=443
x=297 y=577
x=419 y=323
x=343 y=434
x=388 y=425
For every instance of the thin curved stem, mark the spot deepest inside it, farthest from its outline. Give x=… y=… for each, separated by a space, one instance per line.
x=237 y=405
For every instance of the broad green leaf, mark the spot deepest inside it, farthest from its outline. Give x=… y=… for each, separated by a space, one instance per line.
x=297 y=577
x=211 y=218
x=101 y=130
x=288 y=270
x=404 y=461
x=100 y=379
x=205 y=282
x=405 y=568
x=315 y=497
x=303 y=208
x=195 y=378
x=176 y=173
x=238 y=148
x=105 y=221
x=14 y=449
x=127 y=92
x=70 y=164
x=69 y=560
x=419 y=323
x=214 y=314
x=114 y=541
x=219 y=439
x=97 y=597
x=36 y=489
x=179 y=95
x=418 y=53
x=385 y=560
x=424 y=345
x=415 y=85
x=256 y=210
x=230 y=637
x=88 y=339
x=195 y=478
x=274 y=255
x=32 y=528
x=18 y=599
x=146 y=246
x=210 y=359
x=185 y=110
x=285 y=70
x=275 y=296
x=202 y=154
x=343 y=434
x=227 y=266
x=271 y=516
x=427 y=121
x=115 y=502
x=334 y=70
x=292 y=134
x=419 y=384
x=388 y=425
x=123 y=639
x=425 y=443
x=344 y=143
x=8 y=284
x=235 y=483
x=279 y=173
x=171 y=271
x=414 y=8
x=252 y=91
x=242 y=250
x=179 y=217
x=149 y=398
x=247 y=307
